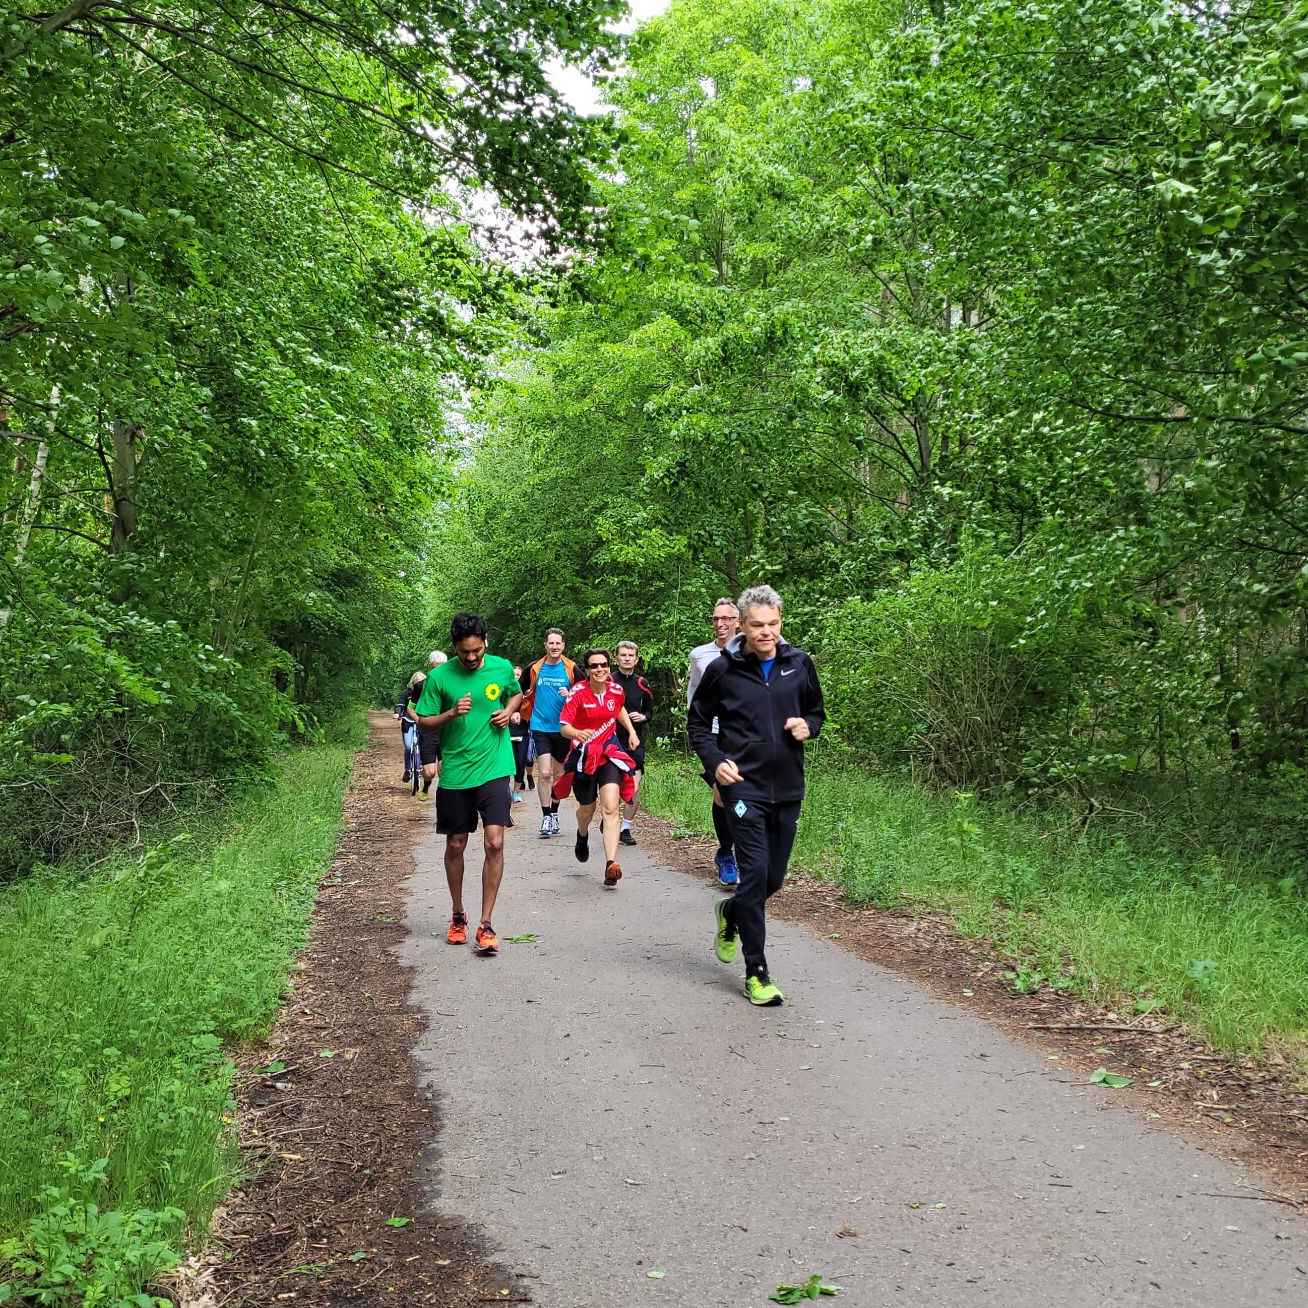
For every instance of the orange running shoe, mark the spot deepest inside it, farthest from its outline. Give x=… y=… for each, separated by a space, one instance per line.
x=458 y=932
x=612 y=874
x=488 y=943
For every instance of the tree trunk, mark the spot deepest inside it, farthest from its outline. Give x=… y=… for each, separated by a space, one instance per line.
x=30 y=510
x=126 y=462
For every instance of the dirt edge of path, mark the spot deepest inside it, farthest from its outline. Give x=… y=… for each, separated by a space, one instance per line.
x=1238 y=1109
x=333 y=1115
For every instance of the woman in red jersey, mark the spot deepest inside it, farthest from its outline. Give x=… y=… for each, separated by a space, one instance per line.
x=597 y=767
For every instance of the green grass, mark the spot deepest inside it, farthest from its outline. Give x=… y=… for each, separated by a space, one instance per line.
x=1220 y=945
x=123 y=989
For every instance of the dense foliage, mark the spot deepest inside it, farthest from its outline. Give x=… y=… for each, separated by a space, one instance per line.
x=978 y=329
x=237 y=298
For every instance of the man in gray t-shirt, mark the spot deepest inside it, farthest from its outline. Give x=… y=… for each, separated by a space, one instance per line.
x=726 y=623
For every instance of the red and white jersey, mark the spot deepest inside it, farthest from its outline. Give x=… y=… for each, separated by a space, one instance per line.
x=588 y=711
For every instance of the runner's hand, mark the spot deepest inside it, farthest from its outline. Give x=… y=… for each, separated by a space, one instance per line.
x=636 y=717
x=633 y=741
x=727 y=773
x=500 y=718
x=463 y=706
x=798 y=727
x=516 y=719
x=584 y=736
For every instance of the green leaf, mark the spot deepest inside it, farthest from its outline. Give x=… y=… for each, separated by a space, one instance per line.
x=398 y=1221
x=1102 y=1076
x=656 y=1276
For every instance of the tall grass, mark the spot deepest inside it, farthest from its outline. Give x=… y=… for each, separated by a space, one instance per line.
x=121 y=989
x=1214 y=941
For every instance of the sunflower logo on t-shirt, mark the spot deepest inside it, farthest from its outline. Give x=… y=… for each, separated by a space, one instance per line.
x=493 y=690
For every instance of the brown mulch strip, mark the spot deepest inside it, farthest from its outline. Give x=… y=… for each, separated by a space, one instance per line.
x=333 y=1138
x=1253 y=1112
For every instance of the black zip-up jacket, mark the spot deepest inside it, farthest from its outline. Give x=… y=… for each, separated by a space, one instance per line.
x=639 y=698
x=751 y=713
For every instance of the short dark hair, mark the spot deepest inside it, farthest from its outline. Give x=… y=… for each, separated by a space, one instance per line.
x=465 y=625
x=585 y=658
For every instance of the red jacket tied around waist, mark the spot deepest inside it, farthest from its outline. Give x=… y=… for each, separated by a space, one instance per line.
x=588 y=758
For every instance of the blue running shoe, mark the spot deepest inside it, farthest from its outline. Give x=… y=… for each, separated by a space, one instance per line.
x=728 y=875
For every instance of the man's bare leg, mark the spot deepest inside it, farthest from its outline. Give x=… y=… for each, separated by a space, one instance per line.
x=492 y=869
x=454 y=847
x=629 y=810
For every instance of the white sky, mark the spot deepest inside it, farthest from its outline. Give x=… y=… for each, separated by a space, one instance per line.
x=575 y=87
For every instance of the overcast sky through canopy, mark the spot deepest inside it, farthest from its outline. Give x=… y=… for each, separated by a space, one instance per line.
x=575 y=86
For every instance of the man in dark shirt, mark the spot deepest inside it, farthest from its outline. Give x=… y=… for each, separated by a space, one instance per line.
x=639 y=699
x=767 y=701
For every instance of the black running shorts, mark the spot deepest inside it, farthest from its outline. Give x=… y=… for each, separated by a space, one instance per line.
x=551 y=742
x=429 y=746
x=457 y=811
x=586 y=788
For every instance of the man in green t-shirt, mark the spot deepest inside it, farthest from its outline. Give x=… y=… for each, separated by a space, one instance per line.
x=470 y=700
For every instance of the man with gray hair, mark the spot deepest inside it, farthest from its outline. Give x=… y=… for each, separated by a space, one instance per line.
x=726 y=624
x=766 y=699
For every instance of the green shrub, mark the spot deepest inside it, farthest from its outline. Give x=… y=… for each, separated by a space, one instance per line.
x=73 y=1253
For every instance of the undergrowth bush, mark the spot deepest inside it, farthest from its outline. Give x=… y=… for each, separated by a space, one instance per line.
x=73 y=1253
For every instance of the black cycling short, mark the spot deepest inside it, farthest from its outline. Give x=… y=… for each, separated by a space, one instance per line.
x=638 y=757
x=457 y=811
x=429 y=746
x=551 y=742
x=586 y=788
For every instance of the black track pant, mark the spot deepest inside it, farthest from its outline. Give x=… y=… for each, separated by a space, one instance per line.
x=764 y=835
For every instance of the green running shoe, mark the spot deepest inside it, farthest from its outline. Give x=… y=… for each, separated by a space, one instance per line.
x=726 y=942
x=760 y=991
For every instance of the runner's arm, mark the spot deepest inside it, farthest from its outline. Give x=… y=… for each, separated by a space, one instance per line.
x=699 y=720
x=633 y=737
x=567 y=730
x=502 y=717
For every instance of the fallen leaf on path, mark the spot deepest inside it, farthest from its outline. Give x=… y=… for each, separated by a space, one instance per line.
x=1102 y=1076
x=398 y=1221
x=656 y=1276
x=811 y=1289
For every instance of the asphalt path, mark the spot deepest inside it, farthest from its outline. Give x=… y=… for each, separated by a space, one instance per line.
x=613 y=1107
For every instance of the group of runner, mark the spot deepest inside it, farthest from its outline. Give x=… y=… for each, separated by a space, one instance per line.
x=752 y=702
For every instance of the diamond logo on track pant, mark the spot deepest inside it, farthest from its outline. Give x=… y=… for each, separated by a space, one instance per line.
x=740 y=809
